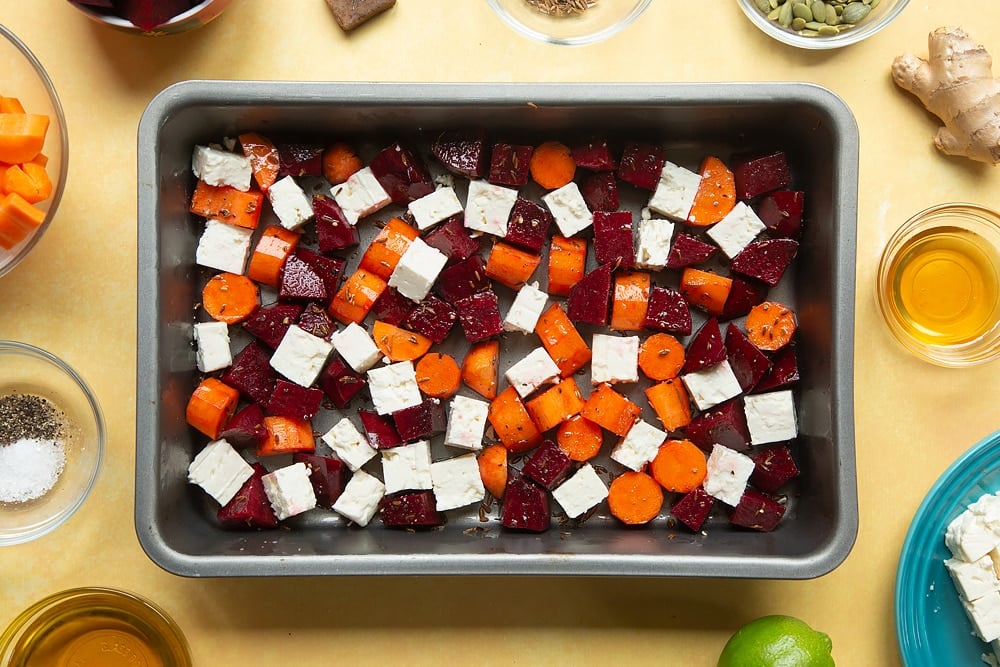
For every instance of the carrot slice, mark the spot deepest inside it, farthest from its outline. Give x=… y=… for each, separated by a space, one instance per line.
x=716 y=194
x=286 y=435
x=270 y=253
x=552 y=165
x=635 y=498
x=211 y=405
x=580 y=438
x=227 y=204
x=562 y=340
x=357 y=296
x=481 y=368
x=340 y=162
x=679 y=466
x=669 y=400
x=29 y=180
x=18 y=217
x=493 y=469
x=705 y=290
x=630 y=300
x=512 y=423
x=22 y=136
x=399 y=344
x=263 y=156
x=567 y=263
x=230 y=297
x=438 y=375
x=609 y=409
x=661 y=356
x=387 y=248
x=556 y=404
x=11 y=105
x=511 y=266
x=771 y=325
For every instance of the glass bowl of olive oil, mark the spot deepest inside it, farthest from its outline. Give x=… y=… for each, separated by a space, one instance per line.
x=939 y=284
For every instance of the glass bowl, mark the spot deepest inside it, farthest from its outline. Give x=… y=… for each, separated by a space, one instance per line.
x=28 y=370
x=601 y=20
x=24 y=78
x=881 y=15
x=94 y=626
x=193 y=18
x=938 y=284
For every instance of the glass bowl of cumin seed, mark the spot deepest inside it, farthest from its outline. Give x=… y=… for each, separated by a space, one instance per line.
x=51 y=442
x=569 y=22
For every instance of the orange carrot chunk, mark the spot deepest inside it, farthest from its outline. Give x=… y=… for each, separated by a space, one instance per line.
x=771 y=325
x=481 y=368
x=493 y=469
x=340 y=162
x=716 y=194
x=211 y=405
x=438 y=375
x=552 y=166
x=580 y=438
x=230 y=297
x=264 y=160
x=705 y=290
x=567 y=263
x=661 y=356
x=22 y=136
x=511 y=266
x=18 y=218
x=286 y=435
x=630 y=300
x=679 y=466
x=635 y=498
x=387 y=248
x=562 y=341
x=29 y=180
x=399 y=344
x=268 y=258
x=227 y=204
x=669 y=400
x=357 y=296
x=609 y=409
x=556 y=404
x=11 y=105
x=512 y=423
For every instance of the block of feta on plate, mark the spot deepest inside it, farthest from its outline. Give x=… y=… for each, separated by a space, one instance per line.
x=457 y=482
x=435 y=207
x=360 y=498
x=615 y=359
x=728 y=474
x=300 y=356
x=466 y=423
x=394 y=387
x=653 y=245
x=213 y=346
x=770 y=417
x=356 y=346
x=582 y=491
x=528 y=306
x=569 y=209
x=976 y=531
x=713 y=385
x=973 y=580
x=407 y=467
x=675 y=192
x=488 y=206
x=532 y=371
x=417 y=269
x=360 y=195
x=290 y=203
x=349 y=444
x=985 y=615
x=735 y=231
x=289 y=490
x=639 y=446
x=218 y=167
x=223 y=246
x=219 y=470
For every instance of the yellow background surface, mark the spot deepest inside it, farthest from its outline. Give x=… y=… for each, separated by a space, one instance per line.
x=76 y=296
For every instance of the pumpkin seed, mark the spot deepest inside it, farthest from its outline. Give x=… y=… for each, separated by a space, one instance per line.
x=827 y=30
x=773 y=14
x=785 y=15
x=773 y=4
x=763 y=5
x=832 y=18
x=798 y=24
x=808 y=33
x=854 y=12
x=802 y=11
x=819 y=11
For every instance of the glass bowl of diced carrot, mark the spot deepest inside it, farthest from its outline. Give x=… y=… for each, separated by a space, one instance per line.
x=33 y=151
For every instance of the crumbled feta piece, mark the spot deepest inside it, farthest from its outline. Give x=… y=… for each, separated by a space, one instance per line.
x=569 y=209
x=615 y=359
x=728 y=474
x=300 y=356
x=217 y=167
x=290 y=203
x=973 y=580
x=713 y=385
x=223 y=246
x=219 y=470
x=289 y=490
x=985 y=616
x=360 y=498
x=735 y=231
x=675 y=192
x=528 y=306
x=639 y=446
x=770 y=417
x=408 y=467
x=356 y=346
x=457 y=482
x=394 y=387
x=466 y=423
x=436 y=207
x=654 y=244
x=417 y=270
x=532 y=371
x=968 y=538
x=213 y=346
x=488 y=207
x=580 y=492
x=360 y=195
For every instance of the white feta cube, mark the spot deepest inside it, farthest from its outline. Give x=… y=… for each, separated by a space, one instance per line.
x=569 y=209
x=528 y=306
x=580 y=492
x=436 y=207
x=457 y=482
x=466 y=423
x=360 y=195
x=360 y=498
x=213 y=346
x=356 y=346
x=290 y=203
x=394 y=387
x=735 y=231
x=675 y=192
x=770 y=417
x=217 y=167
x=408 y=467
x=224 y=246
x=728 y=474
x=219 y=470
x=532 y=371
x=968 y=538
x=615 y=359
x=985 y=616
x=713 y=385
x=417 y=270
x=639 y=446
x=973 y=580
x=488 y=207
x=289 y=490
x=300 y=356
x=654 y=244
x=349 y=444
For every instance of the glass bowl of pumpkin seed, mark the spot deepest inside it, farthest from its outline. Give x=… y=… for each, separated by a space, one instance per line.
x=821 y=24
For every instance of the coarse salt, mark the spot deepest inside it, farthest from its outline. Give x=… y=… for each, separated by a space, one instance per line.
x=29 y=468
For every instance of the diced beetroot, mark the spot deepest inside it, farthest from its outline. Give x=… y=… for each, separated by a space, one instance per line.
x=463 y=279
x=300 y=281
x=668 y=311
x=687 y=250
x=758 y=511
x=453 y=240
x=462 y=152
x=693 y=508
x=392 y=307
x=246 y=427
x=410 y=509
x=295 y=401
x=781 y=212
x=744 y=294
x=147 y=14
x=328 y=475
x=250 y=507
x=509 y=164
x=749 y=364
x=329 y=269
x=379 y=430
x=784 y=371
x=548 y=465
x=528 y=225
x=402 y=173
x=641 y=165
x=270 y=323
x=433 y=318
x=251 y=373
x=340 y=382
x=422 y=421
x=588 y=299
x=316 y=321
x=479 y=316
x=773 y=467
x=299 y=159
x=613 y=238
x=525 y=505
x=594 y=155
x=705 y=348
x=765 y=259
x=333 y=232
x=600 y=191
x=725 y=424
x=759 y=174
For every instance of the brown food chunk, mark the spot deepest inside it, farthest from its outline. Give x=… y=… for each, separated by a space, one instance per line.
x=349 y=14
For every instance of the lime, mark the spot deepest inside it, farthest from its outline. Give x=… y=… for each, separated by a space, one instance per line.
x=777 y=641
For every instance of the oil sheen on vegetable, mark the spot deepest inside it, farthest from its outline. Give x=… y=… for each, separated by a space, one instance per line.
x=946 y=286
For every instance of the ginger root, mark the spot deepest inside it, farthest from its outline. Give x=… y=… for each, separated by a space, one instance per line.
x=956 y=84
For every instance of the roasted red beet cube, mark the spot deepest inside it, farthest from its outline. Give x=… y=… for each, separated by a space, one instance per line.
x=327 y=474
x=433 y=318
x=613 y=238
x=594 y=155
x=292 y=400
x=453 y=240
x=422 y=421
x=757 y=511
x=340 y=382
x=525 y=505
x=463 y=279
x=725 y=424
x=548 y=466
x=744 y=294
x=410 y=509
x=641 y=165
x=693 y=508
x=765 y=259
x=300 y=281
x=329 y=269
x=246 y=427
x=781 y=212
x=784 y=371
x=705 y=348
x=300 y=159
x=333 y=232
x=462 y=152
x=316 y=321
x=402 y=173
x=600 y=191
x=479 y=316
x=392 y=307
x=687 y=250
x=251 y=373
x=509 y=164
x=758 y=174
x=749 y=364
x=379 y=430
x=270 y=323
x=773 y=467
x=668 y=311
x=528 y=225
x=250 y=507
x=588 y=299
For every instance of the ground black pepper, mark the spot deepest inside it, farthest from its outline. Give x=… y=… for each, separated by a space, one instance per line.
x=28 y=416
